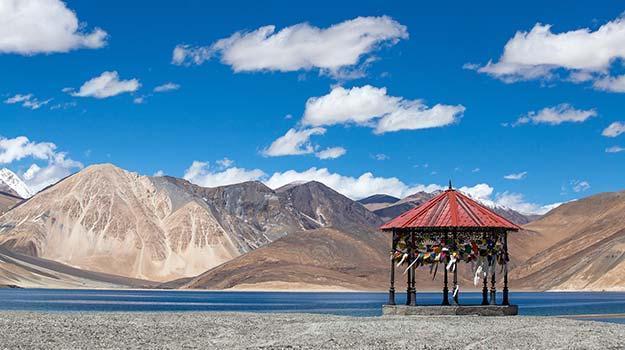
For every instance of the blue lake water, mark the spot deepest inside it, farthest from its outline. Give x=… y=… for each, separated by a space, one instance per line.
x=353 y=304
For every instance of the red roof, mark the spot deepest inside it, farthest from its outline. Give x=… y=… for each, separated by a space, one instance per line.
x=450 y=209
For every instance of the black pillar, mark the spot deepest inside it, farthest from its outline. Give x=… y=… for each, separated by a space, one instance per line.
x=493 y=282
x=505 y=300
x=413 y=290
x=445 y=289
x=485 y=289
x=391 y=290
x=408 y=272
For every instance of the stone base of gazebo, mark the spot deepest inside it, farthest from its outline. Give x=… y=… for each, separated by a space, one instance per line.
x=438 y=310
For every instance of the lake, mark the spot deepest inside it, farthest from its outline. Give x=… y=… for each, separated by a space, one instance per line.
x=353 y=304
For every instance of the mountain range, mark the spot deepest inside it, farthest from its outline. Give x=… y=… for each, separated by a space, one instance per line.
x=107 y=227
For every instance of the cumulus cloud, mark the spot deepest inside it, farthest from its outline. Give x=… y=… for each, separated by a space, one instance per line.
x=373 y=107
x=21 y=147
x=294 y=142
x=58 y=167
x=298 y=47
x=614 y=129
x=55 y=167
x=583 y=53
x=159 y=173
x=556 y=115
x=29 y=27
x=106 y=85
x=27 y=101
x=615 y=149
x=167 y=87
x=362 y=186
x=515 y=201
x=516 y=176
x=331 y=153
x=353 y=187
x=201 y=174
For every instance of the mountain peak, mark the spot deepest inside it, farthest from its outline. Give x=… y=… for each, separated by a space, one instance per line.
x=13 y=185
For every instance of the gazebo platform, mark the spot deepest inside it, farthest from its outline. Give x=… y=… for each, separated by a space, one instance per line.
x=451 y=310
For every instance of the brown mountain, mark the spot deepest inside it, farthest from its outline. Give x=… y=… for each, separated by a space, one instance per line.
x=8 y=200
x=579 y=245
x=109 y=220
x=32 y=272
x=318 y=259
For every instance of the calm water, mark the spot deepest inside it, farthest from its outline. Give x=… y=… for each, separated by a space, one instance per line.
x=354 y=304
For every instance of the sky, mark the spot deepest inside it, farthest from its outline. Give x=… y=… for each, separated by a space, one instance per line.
x=519 y=105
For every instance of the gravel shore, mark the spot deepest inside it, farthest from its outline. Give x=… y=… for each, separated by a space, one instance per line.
x=31 y=330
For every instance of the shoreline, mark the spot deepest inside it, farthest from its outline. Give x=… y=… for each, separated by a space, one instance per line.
x=219 y=330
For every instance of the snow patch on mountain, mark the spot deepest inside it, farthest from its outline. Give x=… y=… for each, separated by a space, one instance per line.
x=10 y=182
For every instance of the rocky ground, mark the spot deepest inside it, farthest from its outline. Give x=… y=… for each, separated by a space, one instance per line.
x=28 y=330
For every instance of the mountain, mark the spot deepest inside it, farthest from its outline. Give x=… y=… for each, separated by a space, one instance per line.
x=12 y=184
x=377 y=201
x=8 y=201
x=108 y=220
x=577 y=246
x=389 y=210
x=32 y=272
x=318 y=259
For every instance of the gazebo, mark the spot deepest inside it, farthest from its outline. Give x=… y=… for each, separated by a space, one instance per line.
x=448 y=229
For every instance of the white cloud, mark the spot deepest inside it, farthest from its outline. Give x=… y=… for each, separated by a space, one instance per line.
x=515 y=201
x=106 y=85
x=580 y=186
x=167 y=87
x=298 y=47
x=200 y=174
x=159 y=173
x=612 y=84
x=517 y=176
x=57 y=168
x=556 y=115
x=294 y=142
x=29 y=27
x=28 y=101
x=615 y=149
x=380 y=156
x=372 y=107
x=353 y=187
x=225 y=163
x=614 y=129
x=331 y=153
x=476 y=170
x=584 y=54
x=37 y=176
x=536 y=53
x=21 y=147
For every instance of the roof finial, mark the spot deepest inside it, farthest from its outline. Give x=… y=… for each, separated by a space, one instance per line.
x=450 y=185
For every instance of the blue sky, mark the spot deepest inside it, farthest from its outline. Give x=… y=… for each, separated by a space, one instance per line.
x=424 y=55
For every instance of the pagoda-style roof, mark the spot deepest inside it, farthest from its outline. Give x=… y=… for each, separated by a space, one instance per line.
x=450 y=210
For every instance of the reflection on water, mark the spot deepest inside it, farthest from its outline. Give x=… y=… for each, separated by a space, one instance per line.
x=354 y=304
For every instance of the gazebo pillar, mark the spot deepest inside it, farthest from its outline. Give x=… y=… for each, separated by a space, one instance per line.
x=412 y=271
x=485 y=290
x=493 y=282
x=391 y=290
x=445 y=289
x=505 y=300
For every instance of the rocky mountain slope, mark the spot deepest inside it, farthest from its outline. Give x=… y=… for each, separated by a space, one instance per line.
x=160 y=228
x=31 y=272
x=579 y=245
x=11 y=183
x=8 y=201
x=318 y=259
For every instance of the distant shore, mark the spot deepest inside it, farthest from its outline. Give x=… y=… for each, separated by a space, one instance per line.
x=84 y=330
